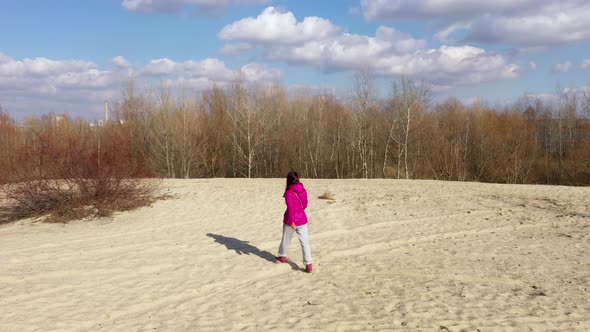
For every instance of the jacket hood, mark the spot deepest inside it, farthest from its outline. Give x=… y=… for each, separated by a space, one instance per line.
x=297 y=187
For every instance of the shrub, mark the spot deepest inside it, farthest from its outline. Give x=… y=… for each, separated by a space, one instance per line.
x=73 y=172
x=327 y=195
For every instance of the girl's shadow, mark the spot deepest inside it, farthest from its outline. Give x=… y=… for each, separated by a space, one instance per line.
x=245 y=248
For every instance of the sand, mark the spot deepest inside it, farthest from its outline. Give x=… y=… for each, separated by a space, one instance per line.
x=388 y=255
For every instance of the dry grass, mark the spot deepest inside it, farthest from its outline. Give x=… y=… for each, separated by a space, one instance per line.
x=327 y=195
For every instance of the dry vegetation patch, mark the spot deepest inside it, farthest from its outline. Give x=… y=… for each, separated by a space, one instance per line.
x=328 y=196
x=66 y=200
x=66 y=171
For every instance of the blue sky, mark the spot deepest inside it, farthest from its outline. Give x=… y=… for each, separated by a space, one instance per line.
x=69 y=56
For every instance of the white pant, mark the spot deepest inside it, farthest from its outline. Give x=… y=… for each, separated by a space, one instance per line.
x=303 y=239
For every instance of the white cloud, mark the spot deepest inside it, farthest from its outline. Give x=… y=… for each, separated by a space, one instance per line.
x=168 y=6
x=120 y=61
x=92 y=78
x=160 y=67
x=554 y=99
x=388 y=53
x=198 y=84
x=522 y=22
x=212 y=68
x=460 y=65
x=278 y=27
x=33 y=86
x=40 y=66
x=533 y=65
x=39 y=85
x=563 y=67
x=427 y=9
x=255 y=72
x=349 y=51
x=197 y=80
x=46 y=75
x=569 y=66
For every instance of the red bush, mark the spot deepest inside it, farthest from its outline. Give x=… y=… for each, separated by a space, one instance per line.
x=70 y=172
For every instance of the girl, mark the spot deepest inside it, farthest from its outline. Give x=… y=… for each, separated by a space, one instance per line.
x=295 y=220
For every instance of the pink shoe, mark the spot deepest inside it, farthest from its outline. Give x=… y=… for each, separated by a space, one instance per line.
x=282 y=259
x=308 y=268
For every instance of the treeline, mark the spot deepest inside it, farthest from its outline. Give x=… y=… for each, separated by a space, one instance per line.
x=249 y=130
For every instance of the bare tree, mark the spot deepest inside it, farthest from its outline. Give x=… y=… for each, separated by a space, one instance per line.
x=159 y=132
x=217 y=132
x=189 y=137
x=169 y=132
x=8 y=145
x=449 y=137
x=409 y=100
x=364 y=101
x=562 y=130
x=586 y=103
x=249 y=127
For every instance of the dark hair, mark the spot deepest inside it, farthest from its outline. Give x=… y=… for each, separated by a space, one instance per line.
x=292 y=178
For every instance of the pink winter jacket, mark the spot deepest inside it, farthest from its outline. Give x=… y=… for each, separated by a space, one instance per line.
x=296 y=199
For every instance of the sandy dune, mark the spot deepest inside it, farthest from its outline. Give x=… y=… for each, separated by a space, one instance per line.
x=388 y=255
